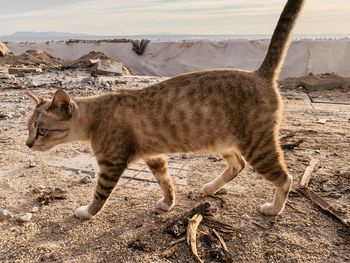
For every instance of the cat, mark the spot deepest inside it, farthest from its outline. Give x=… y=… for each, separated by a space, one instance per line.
x=232 y=112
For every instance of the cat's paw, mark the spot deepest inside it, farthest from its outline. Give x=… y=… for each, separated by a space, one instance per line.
x=269 y=210
x=208 y=189
x=164 y=206
x=83 y=212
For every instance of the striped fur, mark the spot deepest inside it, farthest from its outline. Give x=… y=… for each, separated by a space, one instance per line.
x=231 y=112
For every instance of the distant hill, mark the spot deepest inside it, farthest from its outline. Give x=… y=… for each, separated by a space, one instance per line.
x=32 y=36
x=45 y=36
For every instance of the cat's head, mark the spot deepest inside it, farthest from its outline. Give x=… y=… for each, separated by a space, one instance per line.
x=51 y=122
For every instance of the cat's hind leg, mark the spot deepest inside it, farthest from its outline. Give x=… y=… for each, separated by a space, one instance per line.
x=235 y=165
x=159 y=167
x=267 y=159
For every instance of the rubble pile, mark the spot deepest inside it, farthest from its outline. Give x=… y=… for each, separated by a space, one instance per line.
x=99 y=64
x=32 y=58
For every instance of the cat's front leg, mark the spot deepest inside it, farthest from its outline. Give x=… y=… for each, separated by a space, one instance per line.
x=159 y=167
x=110 y=172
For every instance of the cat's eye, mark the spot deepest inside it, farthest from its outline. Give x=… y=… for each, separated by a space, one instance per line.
x=42 y=132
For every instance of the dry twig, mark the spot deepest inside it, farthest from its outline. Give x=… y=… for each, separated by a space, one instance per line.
x=178 y=227
x=219 y=226
x=323 y=204
x=307 y=174
x=219 y=237
x=192 y=234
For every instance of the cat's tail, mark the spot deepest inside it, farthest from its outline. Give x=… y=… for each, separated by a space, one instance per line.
x=271 y=66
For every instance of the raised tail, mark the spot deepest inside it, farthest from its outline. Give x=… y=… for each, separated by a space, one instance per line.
x=271 y=66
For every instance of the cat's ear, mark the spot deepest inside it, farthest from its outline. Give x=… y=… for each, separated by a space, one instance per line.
x=62 y=101
x=37 y=100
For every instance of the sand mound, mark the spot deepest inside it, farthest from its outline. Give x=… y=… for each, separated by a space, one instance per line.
x=4 y=50
x=88 y=60
x=36 y=58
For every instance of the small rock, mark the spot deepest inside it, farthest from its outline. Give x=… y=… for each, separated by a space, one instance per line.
x=36 y=190
x=35 y=209
x=59 y=190
x=5 y=214
x=23 y=217
x=139 y=245
x=31 y=164
x=88 y=80
x=184 y=156
x=321 y=121
x=107 y=67
x=13 y=70
x=245 y=216
x=93 y=175
x=3 y=115
x=85 y=180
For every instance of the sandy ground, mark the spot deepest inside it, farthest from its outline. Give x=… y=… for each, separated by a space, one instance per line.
x=303 y=233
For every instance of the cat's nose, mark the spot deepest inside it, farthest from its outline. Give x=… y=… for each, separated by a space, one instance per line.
x=29 y=144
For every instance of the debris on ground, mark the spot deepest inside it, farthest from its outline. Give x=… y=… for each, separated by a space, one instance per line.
x=178 y=227
x=169 y=252
x=47 y=195
x=191 y=236
x=215 y=158
x=317 y=199
x=291 y=146
x=85 y=180
x=321 y=121
x=107 y=67
x=5 y=214
x=32 y=59
x=99 y=63
x=35 y=209
x=31 y=163
x=323 y=88
x=216 y=247
x=307 y=174
x=26 y=217
x=323 y=204
x=20 y=70
x=188 y=225
x=322 y=82
x=139 y=245
x=9 y=80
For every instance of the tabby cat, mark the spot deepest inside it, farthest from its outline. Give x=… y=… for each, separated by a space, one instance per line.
x=232 y=112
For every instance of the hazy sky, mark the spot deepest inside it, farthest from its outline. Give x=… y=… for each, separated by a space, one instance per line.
x=127 y=17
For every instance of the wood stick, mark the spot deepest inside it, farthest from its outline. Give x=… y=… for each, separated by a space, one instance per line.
x=219 y=226
x=169 y=251
x=178 y=227
x=323 y=204
x=177 y=241
x=222 y=242
x=192 y=234
x=307 y=174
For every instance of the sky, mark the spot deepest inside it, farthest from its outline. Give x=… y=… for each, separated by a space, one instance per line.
x=129 y=17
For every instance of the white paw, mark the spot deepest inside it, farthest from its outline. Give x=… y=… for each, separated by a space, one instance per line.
x=164 y=206
x=208 y=189
x=269 y=210
x=83 y=212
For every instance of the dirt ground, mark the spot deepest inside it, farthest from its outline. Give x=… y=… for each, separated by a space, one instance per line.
x=130 y=229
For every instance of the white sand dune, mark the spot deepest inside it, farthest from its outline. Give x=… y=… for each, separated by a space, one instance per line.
x=172 y=58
